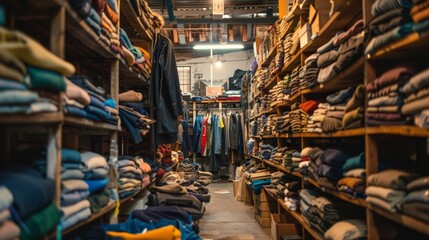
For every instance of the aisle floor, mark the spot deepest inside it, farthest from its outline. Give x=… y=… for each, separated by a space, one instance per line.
x=226 y=218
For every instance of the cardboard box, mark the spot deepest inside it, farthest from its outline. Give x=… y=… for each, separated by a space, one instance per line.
x=264 y=222
x=304 y=35
x=279 y=227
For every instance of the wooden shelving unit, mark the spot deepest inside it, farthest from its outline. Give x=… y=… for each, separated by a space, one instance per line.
x=38 y=118
x=89 y=124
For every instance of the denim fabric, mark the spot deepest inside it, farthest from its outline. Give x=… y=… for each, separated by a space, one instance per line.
x=131 y=123
x=78 y=112
x=340 y=96
x=46 y=80
x=186 y=140
x=112 y=120
x=70 y=155
x=86 y=84
x=11 y=85
x=381 y=6
x=73 y=197
x=97 y=185
x=16 y=97
x=96 y=102
x=93 y=20
x=101 y=113
x=217 y=131
x=196 y=146
x=384 y=39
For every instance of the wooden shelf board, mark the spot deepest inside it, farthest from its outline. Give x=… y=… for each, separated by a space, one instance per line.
x=269 y=136
x=37 y=118
x=405 y=220
x=352 y=76
x=282 y=168
x=343 y=196
x=132 y=23
x=86 y=123
x=339 y=21
x=402 y=130
x=294 y=61
x=79 y=30
x=411 y=45
x=110 y=206
x=271 y=56
x=344 y=133
x=290 y=135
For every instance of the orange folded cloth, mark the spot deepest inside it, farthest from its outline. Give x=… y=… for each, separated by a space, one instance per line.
x=164 y=233
x=112 y=15
x=130 y=96
x=357 y=184
x=128 y=56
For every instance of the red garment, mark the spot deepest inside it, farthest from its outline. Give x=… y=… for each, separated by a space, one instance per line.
x=309 y=106
x=204 y=136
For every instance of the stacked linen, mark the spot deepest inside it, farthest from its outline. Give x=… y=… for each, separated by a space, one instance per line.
x=296 y=159
x=304 y=161
x=32 y=205
x=291 y=194
x=130 y=176
x=310 y=72
x=387 y=188
x=384 y=98
x=294 y=82
x=315 y=155
x=324 y=213
x=31 y=77
x=276 y=95
x=109 y=25
x=265 y=150
x=98 y=109
x=392 y=22
x=8 y=229
x=282 y=123
x=330 y=170
x=250 y=145
x=288 y=159
x=308 y=107
x=134 y=56
x=353 y=112
x=271 y=124
x=354 y=174
x=347 y=229
x=314 y=124
x=307 y=197
x=415 y=203
x=90 y=12
x=336 y=110
x=287 y=44
x=297 y=118
x=416 y=96
x=133 y=115
x=285 y=86
x=340 y=52
x=277 y=185
x=279 y=60
x=277 y=155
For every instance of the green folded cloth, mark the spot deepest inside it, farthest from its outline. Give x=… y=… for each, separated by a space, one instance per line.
x=47 y=80
x=99 y=200
x=41 y=223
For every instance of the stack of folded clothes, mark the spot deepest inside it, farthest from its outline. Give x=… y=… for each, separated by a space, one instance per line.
x=296 y=159
x=353 y=112
x=315 y=155
x=288 y=156
x=271 y=124
x=91 y=13
x=416 y=96
x=335 y=113
x=294 y=82
x=287 y=44
x=314 y=124
x=354 y=174
x=276 y=94
x=176 y=195
x=347 y=229
x=308 y=107
x=150 y=19
x=415 y=202
x=307 y=197
x=393 y=22
x=133 y=115
x=130 y=176
x=282 y=123
x=32 y=208
x=280 y=58
x=297 y=118
x=273 y=70
x=286 y=89
x=135 y=57
x=250 y=145
x=310 y=72
x=277 y=185
x=31 y=77
x=330 y=170
x=340 y=52
x=8 y=229
x=304 y=161
x=325 y=212
x=257 y=183
x=291 y=194
x=265 y=150
x=277 y=155
x=384 y=98
x=97 y=108
x=388 y=188
x=262 y=124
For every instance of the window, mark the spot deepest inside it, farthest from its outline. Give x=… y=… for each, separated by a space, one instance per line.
x=184 y=78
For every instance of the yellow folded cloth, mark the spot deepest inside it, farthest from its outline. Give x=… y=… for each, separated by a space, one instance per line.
x=33 y=53
x=164 y=233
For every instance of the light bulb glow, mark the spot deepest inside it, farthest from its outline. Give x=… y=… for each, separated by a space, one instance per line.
x=218 y=64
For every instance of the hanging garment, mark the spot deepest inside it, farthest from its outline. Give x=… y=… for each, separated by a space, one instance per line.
x=196 y=146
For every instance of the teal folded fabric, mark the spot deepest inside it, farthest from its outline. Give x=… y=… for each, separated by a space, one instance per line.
x=41 y=223
x=47 y=80
x=99 y=200
x=393 y=35
x=17 y=97
x=354 y=162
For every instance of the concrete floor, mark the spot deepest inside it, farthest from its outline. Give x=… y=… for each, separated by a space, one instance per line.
x=226 y=218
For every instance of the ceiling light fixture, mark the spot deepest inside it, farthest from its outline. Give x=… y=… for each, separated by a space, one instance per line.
x=218 y=46
x=218 y=63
